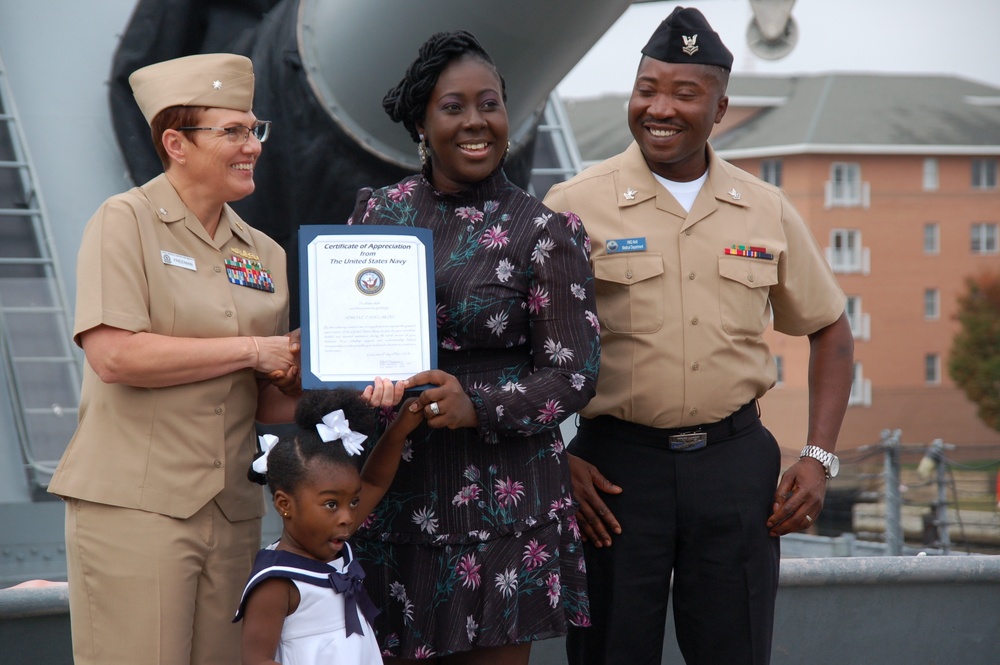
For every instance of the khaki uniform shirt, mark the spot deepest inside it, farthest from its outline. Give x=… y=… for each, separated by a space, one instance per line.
x=146 y=264
x=681 y=320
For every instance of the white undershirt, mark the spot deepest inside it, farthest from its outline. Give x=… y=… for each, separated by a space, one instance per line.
x=684 y=192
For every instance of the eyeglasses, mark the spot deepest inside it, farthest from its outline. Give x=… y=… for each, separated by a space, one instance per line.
x=238 y=133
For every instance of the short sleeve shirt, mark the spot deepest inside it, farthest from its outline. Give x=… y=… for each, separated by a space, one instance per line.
x=682 y=307
x=146 y=264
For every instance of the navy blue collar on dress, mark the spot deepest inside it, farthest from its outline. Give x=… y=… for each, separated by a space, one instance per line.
x=279 y=563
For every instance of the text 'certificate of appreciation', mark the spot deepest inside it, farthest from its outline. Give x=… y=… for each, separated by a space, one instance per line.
x=369 y=300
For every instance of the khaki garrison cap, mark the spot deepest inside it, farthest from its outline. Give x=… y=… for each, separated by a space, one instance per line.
x=218 y=80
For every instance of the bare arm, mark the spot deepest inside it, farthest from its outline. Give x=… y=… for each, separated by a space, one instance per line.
x=289 y=381
x=273 y=405
x=278 y=393
x=381 y=465
x=263 y=619
x=148 y=360
x=831 y=371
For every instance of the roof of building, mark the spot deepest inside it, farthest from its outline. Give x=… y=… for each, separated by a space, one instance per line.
x=826 y=113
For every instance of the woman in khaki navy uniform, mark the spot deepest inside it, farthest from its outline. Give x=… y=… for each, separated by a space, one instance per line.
x=691 y=258
x=182 y=309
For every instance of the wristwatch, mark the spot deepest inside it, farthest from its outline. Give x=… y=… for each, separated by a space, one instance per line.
x=830 y=462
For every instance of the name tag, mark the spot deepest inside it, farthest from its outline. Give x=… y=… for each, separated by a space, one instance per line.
x=625 y=245
x=179 y=260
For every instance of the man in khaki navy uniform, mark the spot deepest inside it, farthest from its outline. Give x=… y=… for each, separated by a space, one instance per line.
x=162 y=523
x=691 y=258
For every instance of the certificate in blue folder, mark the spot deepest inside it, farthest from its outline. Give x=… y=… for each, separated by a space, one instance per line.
x=368 y=306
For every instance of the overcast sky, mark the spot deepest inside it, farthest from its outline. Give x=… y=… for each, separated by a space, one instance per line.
x=957 y=37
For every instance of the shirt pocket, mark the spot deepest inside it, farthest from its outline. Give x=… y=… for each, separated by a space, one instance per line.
x=629 y=291
x=743 y=294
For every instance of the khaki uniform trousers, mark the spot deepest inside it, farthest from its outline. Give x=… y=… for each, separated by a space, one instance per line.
x=148 y=589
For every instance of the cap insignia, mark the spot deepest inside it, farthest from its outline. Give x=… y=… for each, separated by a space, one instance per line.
x=690 y=44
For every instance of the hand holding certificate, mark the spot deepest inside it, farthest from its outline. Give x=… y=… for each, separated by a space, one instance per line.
x=368 y=301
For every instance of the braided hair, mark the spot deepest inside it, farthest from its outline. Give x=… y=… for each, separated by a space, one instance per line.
x=407 y=101
x=288 y=461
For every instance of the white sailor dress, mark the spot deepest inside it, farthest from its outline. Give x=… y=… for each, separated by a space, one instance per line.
x=332 y=623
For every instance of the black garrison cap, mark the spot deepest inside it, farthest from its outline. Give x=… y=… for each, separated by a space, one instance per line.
x=686 y=37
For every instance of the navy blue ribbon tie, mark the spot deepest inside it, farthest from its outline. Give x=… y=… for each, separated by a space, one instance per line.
x=349 y=584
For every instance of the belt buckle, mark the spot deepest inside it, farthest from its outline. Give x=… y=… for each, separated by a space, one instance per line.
x=687 y=441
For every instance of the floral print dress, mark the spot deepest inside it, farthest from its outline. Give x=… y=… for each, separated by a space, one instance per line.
x=476 y=543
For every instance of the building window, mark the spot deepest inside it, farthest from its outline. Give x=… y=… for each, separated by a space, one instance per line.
x=779 y=364
x=860 y=322
x=770 y=171
x=930 y=174
x=861 y=388
x=845 y=250
x=932 y=368
x=984 y=239
x=932 y=238
x=932 y=304
x=845 y=188
x=984 y=173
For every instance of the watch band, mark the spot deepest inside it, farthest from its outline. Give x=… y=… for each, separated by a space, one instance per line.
x=824 y=457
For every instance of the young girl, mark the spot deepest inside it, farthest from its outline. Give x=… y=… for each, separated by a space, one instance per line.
x=304 y=603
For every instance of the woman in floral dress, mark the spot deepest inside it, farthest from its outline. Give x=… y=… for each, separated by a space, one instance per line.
x=475 y=550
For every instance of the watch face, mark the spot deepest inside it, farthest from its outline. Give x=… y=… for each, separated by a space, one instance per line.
x=834 y=466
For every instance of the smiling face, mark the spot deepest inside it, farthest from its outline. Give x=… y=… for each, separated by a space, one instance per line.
x=321 y=510
x=223 y=169
x=671 y=113
x=465 y=125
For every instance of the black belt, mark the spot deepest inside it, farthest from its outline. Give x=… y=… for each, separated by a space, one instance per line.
x=680 y=439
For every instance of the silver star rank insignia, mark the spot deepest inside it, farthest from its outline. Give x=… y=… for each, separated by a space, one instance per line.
x=629 y=194
x=733 y=193
x=217 y=85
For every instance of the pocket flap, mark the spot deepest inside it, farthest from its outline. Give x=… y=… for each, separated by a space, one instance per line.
x=752 y=273
x=629 y=268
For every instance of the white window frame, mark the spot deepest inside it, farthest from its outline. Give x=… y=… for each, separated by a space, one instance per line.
x=861 y=388
x=932 y=179
x=983 y=238
x=932 y=304
x=845 y=189
x=984 y=173
x=846 y=254
x=932 y=238
x=771 y=171
x=859 y=320
x=932 y=369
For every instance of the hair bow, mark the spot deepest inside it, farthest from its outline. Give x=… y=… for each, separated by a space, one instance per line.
x=267 y=443
x=335 y=426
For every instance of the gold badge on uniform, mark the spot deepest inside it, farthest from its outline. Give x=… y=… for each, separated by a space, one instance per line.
x=245 y=254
